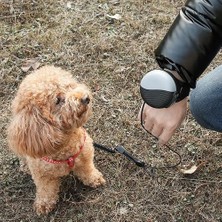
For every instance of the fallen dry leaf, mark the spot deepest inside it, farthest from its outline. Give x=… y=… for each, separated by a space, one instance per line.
x=116 y=16
x=192 y=169
x=104 y=99
x=30 y=64
x=189 y=171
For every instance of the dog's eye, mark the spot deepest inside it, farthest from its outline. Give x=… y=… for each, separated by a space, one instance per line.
x=59 y=100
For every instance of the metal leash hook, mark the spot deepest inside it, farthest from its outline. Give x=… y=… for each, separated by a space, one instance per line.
x=147 y=168
x=121 y=150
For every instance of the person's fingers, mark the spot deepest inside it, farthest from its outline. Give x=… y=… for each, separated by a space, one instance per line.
x=149 y=126
x=156 y=131
x=165 y=136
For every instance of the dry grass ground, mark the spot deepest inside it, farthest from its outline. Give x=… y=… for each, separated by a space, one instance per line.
x=111 y=56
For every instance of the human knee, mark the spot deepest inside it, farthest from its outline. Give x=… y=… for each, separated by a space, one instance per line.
x=198 y=108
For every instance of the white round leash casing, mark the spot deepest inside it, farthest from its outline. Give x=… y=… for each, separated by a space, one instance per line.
x=159 y=89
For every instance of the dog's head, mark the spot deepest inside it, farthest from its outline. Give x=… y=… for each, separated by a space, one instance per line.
x=49 y=104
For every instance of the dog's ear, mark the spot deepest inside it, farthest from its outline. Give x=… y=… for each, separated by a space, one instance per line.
x=29 y=134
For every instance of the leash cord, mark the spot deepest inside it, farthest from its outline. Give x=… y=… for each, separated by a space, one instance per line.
x=104 y=148
x=169 y=148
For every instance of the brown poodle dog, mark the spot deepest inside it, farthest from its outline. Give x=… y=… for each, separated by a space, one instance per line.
x=46 y=130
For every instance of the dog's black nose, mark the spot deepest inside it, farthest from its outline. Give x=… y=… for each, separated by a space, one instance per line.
x=85 y=100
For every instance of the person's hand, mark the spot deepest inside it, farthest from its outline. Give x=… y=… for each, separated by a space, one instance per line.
x=162 y=123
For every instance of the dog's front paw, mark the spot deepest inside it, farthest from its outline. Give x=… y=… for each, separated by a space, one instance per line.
x=43 y=208
x=95 y=180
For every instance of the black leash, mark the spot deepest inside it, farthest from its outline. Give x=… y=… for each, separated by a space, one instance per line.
x=139 y=163
x=104 y=148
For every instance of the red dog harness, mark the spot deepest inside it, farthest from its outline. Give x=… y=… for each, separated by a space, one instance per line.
x=70 y=161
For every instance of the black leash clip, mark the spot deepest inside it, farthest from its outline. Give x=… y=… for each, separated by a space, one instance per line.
x=121 y=150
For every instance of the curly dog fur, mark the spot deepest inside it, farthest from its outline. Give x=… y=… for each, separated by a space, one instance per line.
x=49 y=111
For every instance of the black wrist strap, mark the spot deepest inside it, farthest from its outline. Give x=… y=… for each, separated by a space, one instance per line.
x=184 y=92
x=183 y=89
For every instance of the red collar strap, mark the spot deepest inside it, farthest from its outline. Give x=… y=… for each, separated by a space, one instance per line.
x=71 y=160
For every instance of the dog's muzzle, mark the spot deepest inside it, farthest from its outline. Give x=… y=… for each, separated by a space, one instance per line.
x=85 y=100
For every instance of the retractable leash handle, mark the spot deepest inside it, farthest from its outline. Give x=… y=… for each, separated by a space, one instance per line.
x=158 y=89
